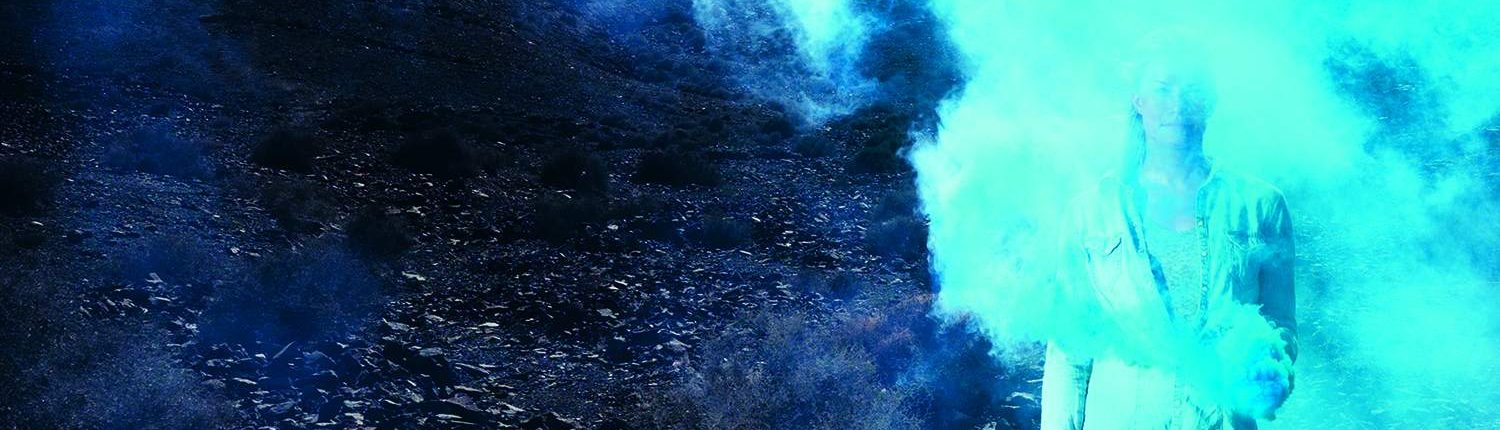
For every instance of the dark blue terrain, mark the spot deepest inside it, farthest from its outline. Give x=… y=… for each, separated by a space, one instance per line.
x=462 y=214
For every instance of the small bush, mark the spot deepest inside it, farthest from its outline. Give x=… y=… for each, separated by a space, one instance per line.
x=25 y=185
x=778 y=127
x=648 y=216
x=162 y=109
x=815 y=146
x=641 y=206
x=885 y=132
x=477 y=126
x=900 y=237
x=20 y=80
x=567 y=128
x=837 y=284
x=26 y=236
x=298 y=205
x=722 y=232
x=896 y=229
x=116 y=375
x=1395 y=90
x=558 y=217
x=416 y=122
x=956 y=379
x=443 y=153
x=288 y=149
x=157 y=150
x=892 y=368
x=913 y=60
x=375 y=233
x=681 y=138
x=362 y=115
x=782 y=371
x=176 y=259
x=576 y=170
x=1490 y=131
x=880 y=156
x=313 y=294
x=965 y=386
x=895 y=204
x=35 y=313
x=715 y=124
x=676 y=168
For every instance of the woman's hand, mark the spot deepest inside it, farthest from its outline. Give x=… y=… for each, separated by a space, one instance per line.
x=1269 y=382
x=1252 y=374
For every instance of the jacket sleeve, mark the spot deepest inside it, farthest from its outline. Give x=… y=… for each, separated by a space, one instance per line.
x=1065 y=379
x=1065 y=386
x=1277 y=294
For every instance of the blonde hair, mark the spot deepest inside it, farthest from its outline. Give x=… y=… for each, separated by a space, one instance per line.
x=1176 y=49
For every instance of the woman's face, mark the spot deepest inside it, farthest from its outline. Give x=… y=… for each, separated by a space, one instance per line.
x=1174 y=103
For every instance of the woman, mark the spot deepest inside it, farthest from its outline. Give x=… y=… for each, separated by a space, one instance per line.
x=1163 y=246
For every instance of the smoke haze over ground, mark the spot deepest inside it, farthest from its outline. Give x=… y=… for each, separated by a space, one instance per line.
x=1378 y=121
x=818 y=76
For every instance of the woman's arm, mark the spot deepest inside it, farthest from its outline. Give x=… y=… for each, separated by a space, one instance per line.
x=1277 y=295
x=1065 y=386
x=1065 y=379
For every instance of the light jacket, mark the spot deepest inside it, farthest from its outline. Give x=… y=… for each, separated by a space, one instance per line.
x=1245 y=234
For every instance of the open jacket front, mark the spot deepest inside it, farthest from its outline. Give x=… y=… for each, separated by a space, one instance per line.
x=1245 y=235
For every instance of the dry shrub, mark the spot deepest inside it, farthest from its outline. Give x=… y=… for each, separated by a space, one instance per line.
x=782 y=370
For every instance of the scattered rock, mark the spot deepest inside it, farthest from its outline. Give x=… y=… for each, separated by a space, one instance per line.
x=549 y=421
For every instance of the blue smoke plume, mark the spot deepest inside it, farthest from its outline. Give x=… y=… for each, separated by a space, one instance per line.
x=801 y=53
x=1378 y=120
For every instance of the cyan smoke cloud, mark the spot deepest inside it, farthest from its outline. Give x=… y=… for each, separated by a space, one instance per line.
x=802 y=53
x=1378 y=120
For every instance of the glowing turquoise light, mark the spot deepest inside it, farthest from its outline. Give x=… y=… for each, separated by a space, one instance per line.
x=1396 y=304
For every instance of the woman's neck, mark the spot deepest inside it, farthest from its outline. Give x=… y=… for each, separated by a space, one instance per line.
x=1179 y=168
x=1170 y=178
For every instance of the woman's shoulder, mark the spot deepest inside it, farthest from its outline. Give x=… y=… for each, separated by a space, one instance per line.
x=1109 y=183
x=1093 y=201
x=1247 y=185
x=1095 y=191
x=1258 y=195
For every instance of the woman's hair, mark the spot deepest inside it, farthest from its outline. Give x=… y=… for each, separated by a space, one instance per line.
x=1177 y=48
x=1135 y=145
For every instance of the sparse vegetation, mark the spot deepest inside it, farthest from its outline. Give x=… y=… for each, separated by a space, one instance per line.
x=25 y=185
x=34 y=317
x=837 y=284
x=377 y=233
x=783 y=371
x=676 y=168
x=892 y=368
x=360 y=114
x=722 y=232
x=560 y=217
x=680 y=139
x=443 y=153
x=648 y=215
x=815 y=146
x=576 y=170
x=288 y=149
x=779 y=126
x=884 y=132
x=896 y=229
x=913 y=60
x=176 y=258
x=118 y=375
x=157 y=150
x=316 y=293
x=300 y=206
